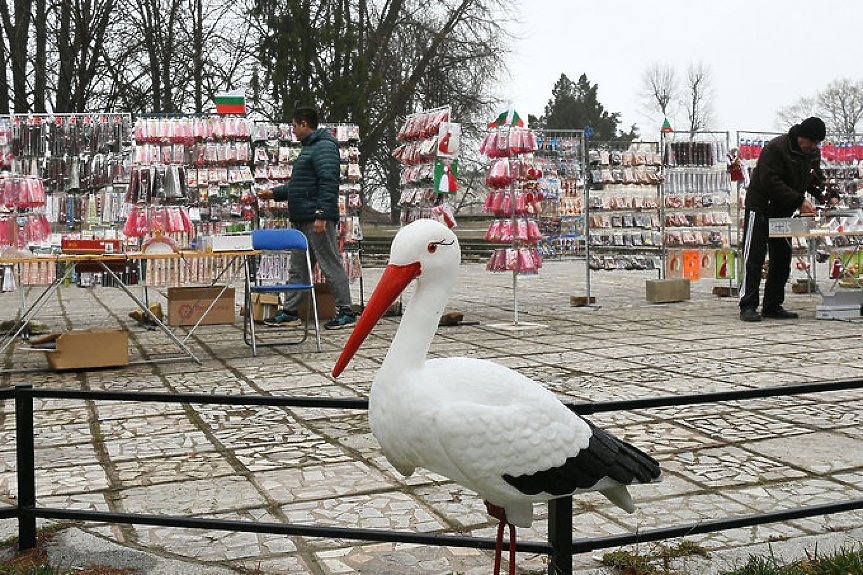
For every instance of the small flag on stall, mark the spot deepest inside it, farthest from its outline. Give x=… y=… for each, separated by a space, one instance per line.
x=666 y=126
x=507 y=116
x=233 y=102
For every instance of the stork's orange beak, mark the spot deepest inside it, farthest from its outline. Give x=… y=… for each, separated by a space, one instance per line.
x=393 y=282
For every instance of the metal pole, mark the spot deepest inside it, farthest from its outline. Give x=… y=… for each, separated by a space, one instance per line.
x=584 y=226
x=25 y=462
x=560 y=536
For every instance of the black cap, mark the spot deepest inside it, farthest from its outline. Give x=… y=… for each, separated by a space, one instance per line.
x=812 y=128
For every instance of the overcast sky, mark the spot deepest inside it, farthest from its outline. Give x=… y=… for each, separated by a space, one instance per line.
x=762 y=54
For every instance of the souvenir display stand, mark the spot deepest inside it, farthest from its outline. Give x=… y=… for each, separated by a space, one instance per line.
x=429 y=146
x=696 y=210
x=624 y=203
x=83 y=162
x=513 y=177
x=63 y=175
x=560 y=156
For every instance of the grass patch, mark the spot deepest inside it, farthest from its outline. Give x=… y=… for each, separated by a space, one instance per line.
x=656 y=562
x=843 y=562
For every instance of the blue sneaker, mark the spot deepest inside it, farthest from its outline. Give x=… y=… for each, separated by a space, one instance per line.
x=343 y=317
x=283 y=319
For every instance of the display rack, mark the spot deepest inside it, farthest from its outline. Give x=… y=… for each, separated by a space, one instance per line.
x=560 y=155
x=191 y=176
x=624 y=201
x=696 y=211
x=428 y=150
x=81 y=158
x=513 y=177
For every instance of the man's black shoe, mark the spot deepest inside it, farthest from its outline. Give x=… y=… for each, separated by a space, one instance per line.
x=749 y=314
x=779 y=313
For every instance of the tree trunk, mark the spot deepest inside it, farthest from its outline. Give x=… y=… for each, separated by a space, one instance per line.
x=18 y=36
x=64 y=77
x=40 y=70
x=4 y=78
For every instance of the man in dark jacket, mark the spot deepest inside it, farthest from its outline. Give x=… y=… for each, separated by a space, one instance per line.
x=313 y=207
x=789 y=167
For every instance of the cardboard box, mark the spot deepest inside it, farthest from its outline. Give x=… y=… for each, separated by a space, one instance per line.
x=667 y=290
x=840 y=305
x=326 y=302
x=264 y=306
x=80 y=349
x=231 y=243
x=181 y=300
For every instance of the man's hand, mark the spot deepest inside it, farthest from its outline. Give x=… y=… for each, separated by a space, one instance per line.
x=320 y=226
x=265 y=194
x=806 y=208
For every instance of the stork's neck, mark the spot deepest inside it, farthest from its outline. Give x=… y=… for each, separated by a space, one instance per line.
x=419 y=324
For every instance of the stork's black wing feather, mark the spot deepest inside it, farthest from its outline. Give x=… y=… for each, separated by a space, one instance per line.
x=605 y=456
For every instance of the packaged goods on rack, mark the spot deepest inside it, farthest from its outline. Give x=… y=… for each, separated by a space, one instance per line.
x=698 y=210
x=188 y=171
x=430 y=144
x=513 y=177
x=560 y=157
x=82 y=159
x=624 y=205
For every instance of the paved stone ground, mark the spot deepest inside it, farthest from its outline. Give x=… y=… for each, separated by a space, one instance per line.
x=324 y=467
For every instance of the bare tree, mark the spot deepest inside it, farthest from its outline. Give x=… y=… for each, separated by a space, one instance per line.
x=697 y=99
x=793 y=113
x=841 y=104
x=659 y=88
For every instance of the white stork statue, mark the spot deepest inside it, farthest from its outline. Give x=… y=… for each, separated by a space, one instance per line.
x=478 y=423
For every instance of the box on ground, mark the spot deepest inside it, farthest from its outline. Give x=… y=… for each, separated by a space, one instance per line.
x=264 y=306
x=182 y=299
x=840 y=305
x=667 y=290
x=325 y=300
x=80 y=349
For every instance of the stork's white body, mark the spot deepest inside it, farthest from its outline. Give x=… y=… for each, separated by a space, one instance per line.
x=473 y=421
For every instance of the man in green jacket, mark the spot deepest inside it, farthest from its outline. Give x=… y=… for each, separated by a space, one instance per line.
x=789 y=167
x=313 y=207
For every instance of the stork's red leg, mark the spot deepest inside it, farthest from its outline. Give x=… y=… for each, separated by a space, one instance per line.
x=498 y=550
x=499 y=513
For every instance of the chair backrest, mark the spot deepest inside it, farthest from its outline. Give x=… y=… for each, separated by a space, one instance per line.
x=278 y=240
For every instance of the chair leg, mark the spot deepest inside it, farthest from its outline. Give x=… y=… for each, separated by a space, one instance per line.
x=249 y=315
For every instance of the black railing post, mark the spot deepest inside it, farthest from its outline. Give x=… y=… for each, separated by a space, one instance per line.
x=560 y=535
x=25 y=462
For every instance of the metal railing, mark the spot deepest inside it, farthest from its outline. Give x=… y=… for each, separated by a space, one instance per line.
x=560 y=546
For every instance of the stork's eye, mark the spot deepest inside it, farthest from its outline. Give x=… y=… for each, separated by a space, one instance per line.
x=432 y=248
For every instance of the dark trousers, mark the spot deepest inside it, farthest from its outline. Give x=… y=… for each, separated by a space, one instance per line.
x=756 y=244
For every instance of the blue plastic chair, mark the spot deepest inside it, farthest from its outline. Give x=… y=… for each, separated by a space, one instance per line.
x=279 y=241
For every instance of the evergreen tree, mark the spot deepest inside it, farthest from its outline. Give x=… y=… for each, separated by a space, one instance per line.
x=576 y=105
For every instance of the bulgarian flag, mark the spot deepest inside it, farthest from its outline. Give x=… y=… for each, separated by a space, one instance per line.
x=666 y=126
x=507 y=116
x=233 y=102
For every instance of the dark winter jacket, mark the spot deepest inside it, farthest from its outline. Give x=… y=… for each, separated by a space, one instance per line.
x=782 y=177
x=313 y=191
